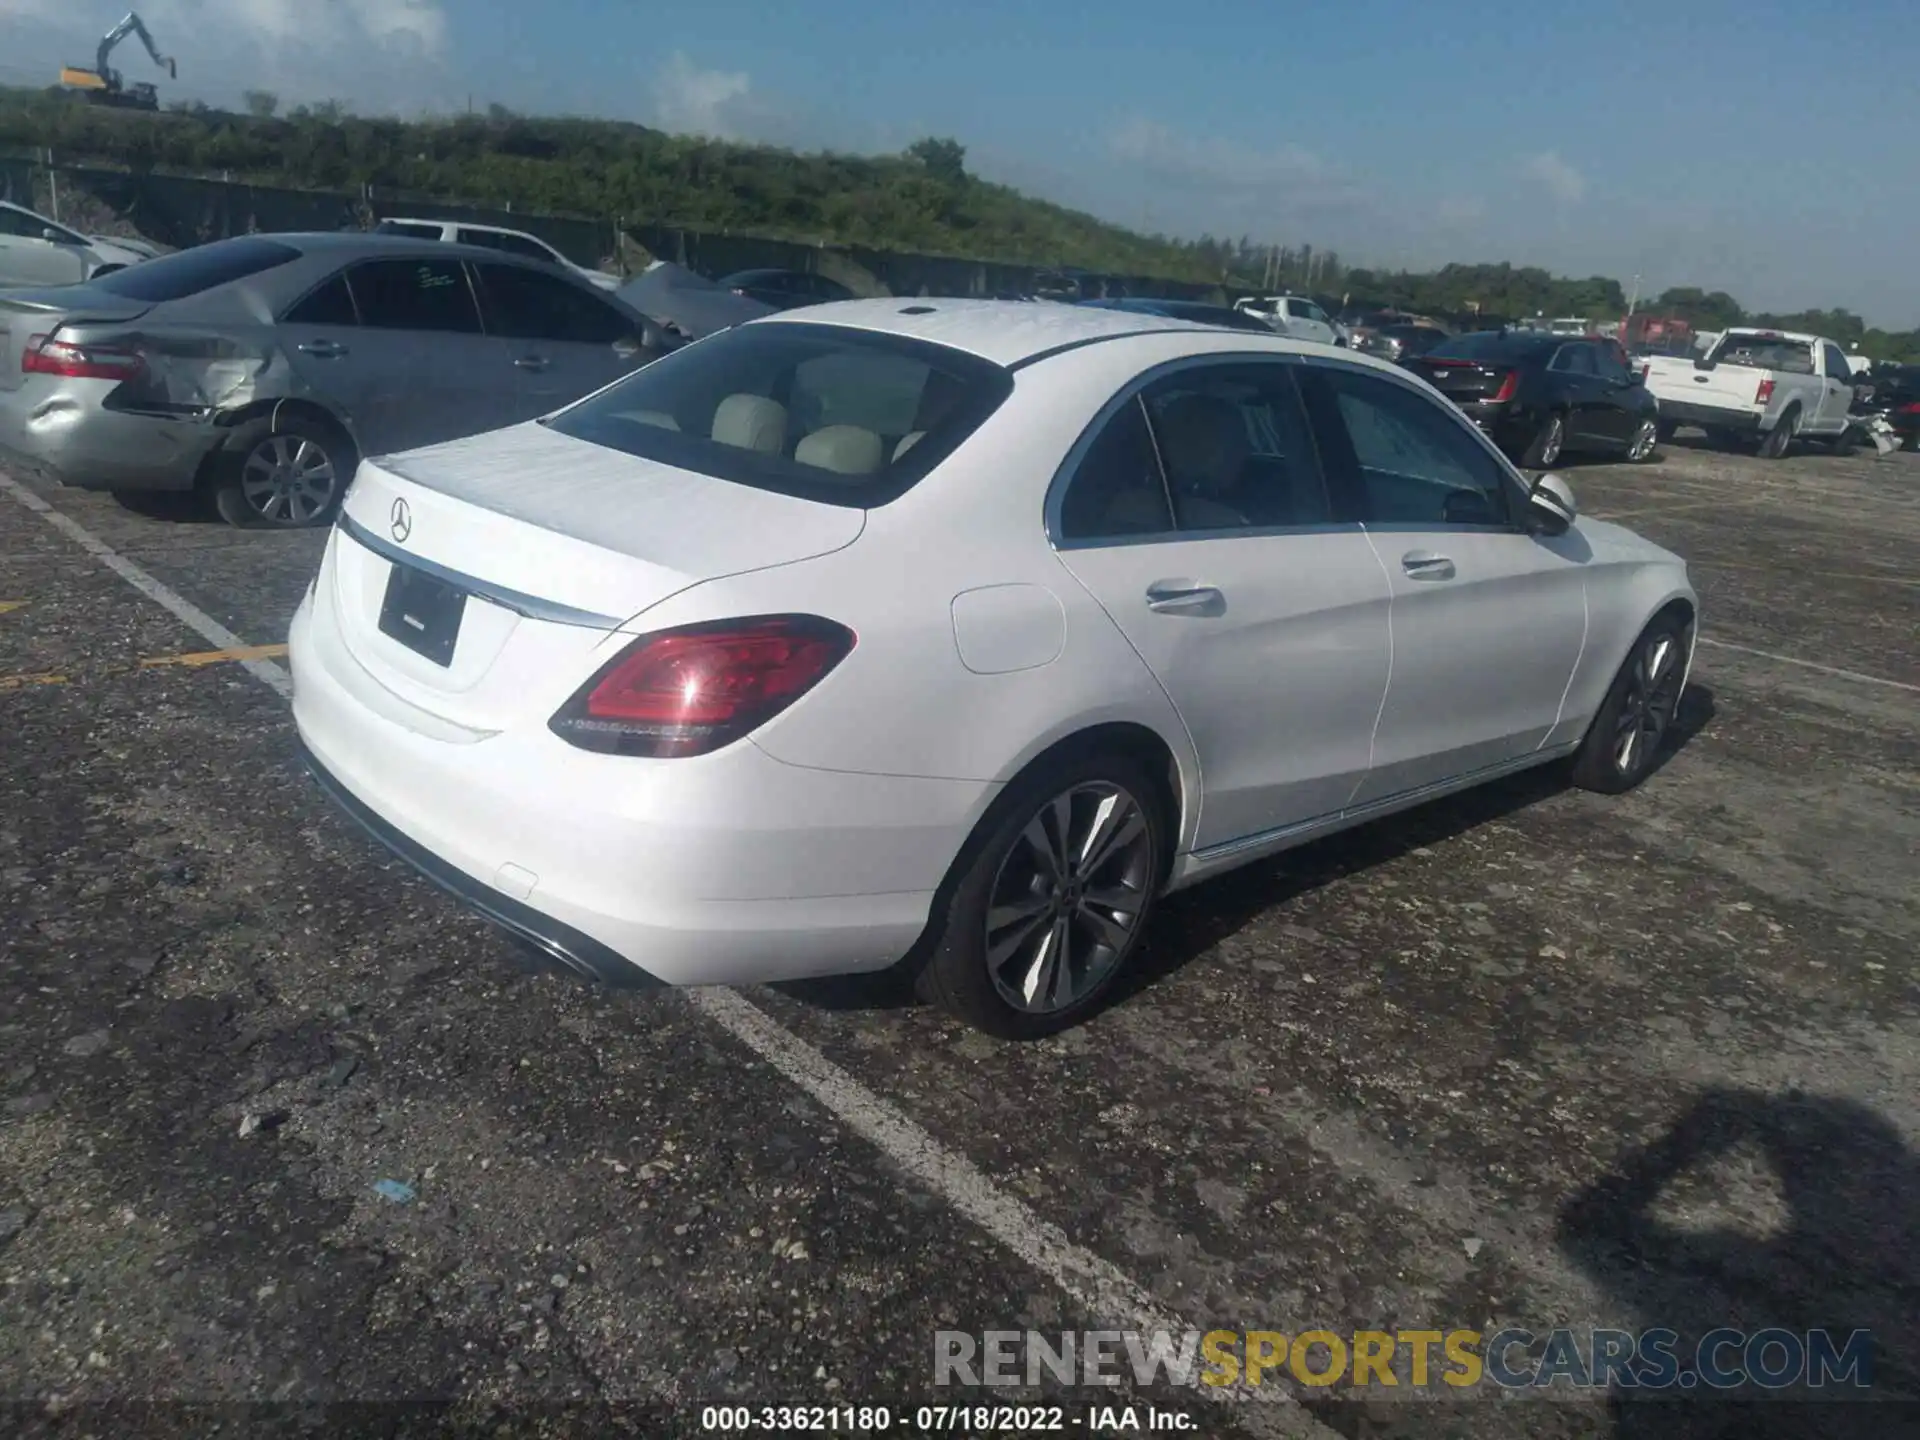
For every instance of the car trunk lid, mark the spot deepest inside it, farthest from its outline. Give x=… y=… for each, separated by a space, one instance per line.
x=1464 y=381
x=519 y=553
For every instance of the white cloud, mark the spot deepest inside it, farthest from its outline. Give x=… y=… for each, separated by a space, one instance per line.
x=1560 y=179
x=693 y=101
x=1210 y=162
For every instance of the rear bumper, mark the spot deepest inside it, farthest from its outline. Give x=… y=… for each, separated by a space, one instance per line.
x=570 y=948
x=1709 y=417
x=728 y=869
x=69 y=439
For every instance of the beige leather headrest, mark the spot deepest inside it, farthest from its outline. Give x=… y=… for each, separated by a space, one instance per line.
x=847 y=449
x=751 y=422
x=908 y=441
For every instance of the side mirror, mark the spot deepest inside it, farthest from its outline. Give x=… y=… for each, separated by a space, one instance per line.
x=53 y=235
x=1551 y=504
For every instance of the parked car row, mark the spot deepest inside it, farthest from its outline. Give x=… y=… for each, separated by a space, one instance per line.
x=37 y=251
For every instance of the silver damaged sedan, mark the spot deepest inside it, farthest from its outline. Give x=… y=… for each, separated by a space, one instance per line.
x=260 y=370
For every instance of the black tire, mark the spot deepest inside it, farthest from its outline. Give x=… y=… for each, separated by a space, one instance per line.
x=1667 y=429
x=1843 y=443
x=275 y=497
x=1604 y=762
x=1547 y=445
x=996 y=864
x=1777 y=441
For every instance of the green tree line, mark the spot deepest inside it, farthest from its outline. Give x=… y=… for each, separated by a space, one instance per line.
x=924 y=200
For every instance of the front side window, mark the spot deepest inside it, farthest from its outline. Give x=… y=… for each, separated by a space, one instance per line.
x=19 y=222
x=415 y=295
x=524 y=304
x=849 y=417
x=1416 y=464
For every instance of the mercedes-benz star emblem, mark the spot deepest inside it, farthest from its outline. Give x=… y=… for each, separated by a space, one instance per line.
x=402 y=518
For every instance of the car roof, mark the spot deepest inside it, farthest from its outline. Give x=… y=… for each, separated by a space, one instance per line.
x=1009 y=332
x=319 y=242
x=457 y=225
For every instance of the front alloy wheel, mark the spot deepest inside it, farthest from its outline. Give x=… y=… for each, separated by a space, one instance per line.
x=1625 y=740
x=1066 y=904
x=1644 y=439
x=1548 y=444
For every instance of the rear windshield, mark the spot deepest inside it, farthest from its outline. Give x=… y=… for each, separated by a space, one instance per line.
x=849 y=417
x=188 y=272
x=1484 y=345
x=1759 y=352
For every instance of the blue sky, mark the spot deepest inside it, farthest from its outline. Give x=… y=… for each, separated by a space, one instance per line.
x=1763 y=147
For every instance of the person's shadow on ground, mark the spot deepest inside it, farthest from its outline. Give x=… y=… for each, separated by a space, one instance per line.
x=1846 y=1258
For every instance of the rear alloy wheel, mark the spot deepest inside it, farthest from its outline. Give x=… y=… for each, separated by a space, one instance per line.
x=1644 y=441
x=291 y=477
x=1544 y=452
x=1779 y=439
x=1052 y=901
x=1624 y=742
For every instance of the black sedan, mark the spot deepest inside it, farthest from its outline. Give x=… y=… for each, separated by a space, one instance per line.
x=785 y=289
x=1539 y=396
x=1194 y=310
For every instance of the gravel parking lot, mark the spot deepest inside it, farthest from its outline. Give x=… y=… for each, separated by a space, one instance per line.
x=1526 y=1057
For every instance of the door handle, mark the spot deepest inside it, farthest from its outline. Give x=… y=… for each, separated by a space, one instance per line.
x=1425 y=565
x=322 y=349
x=533 y=362
x=1181 y=597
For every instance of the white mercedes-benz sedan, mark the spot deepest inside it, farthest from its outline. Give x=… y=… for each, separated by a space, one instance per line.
x=954 y=633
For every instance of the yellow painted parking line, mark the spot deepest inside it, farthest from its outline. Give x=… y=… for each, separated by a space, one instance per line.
x=7 y=606
x=216 y=657
x=20 y=682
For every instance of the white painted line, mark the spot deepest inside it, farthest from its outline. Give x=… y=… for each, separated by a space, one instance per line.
x=187 y=613
x=1854 y=675
x=1107 y=1294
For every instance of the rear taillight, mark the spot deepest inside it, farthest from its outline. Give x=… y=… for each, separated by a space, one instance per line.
x=692 y=690
x=44 y=355
x=1765 y=392
x=1913 y=409
x=1507 y=387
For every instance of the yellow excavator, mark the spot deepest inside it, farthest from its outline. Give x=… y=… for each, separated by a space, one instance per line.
x=103 y=85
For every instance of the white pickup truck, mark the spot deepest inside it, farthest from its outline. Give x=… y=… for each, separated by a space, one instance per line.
x=1764 y=386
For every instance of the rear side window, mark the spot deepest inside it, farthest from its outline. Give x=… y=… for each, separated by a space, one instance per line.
x=525 y=304
x=1117 y=490
x=415 y=295
x=849 y=417
x=331 y=304
x=190 y=272
x=1574 y=360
